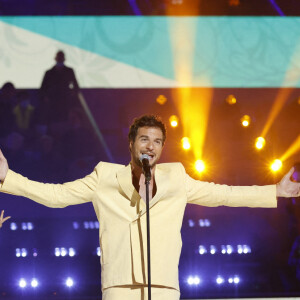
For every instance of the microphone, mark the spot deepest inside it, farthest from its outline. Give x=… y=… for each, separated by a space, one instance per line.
x=144 y=158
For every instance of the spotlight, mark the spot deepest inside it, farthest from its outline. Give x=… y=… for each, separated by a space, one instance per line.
x=69 y=282
x=246 y=249
x=34 y=283
x=22 y=283
x=57 y=252
x=72 y=252
x=236 y=280
x=231 y=100
x=219 y=280
x=24 y=252
x=186 y=144
x=18 y=252
x=191 y=223
x=161 y=99
x=202 y=250
x=276 y=165
x=213 y=250
x=173 y=121
x=98 y=251
x=63 y=251
x=13 y=226
x=75 y=225
x=245 y=120
x=260 y=143
x=193 y=280
x=199 y=165
x=240 y=249
x=229 y=249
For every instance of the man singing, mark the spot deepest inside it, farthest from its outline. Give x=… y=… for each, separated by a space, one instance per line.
x=118 y=196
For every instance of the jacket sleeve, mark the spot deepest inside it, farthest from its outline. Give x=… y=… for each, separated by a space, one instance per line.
x=52 y=195
x=211 y=194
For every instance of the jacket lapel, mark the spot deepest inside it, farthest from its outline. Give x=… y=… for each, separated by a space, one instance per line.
x=124 y=177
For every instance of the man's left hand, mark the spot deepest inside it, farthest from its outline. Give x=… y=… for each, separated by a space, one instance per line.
x=286 y=187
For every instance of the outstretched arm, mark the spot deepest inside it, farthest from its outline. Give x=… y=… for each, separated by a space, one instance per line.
x=52 y=195
x=2 y=220
x=3 y=166
x=286 y=187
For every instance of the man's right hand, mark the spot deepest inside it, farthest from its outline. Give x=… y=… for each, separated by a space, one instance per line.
x=3 y=166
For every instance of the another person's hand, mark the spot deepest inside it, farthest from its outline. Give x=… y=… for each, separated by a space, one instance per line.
x=286 y=187
x=2 y=220
x=3 y=166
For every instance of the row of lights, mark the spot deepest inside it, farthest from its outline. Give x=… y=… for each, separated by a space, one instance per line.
x=34 y=283
x=58 y=251
x=225 y=249
x=196 y=280
x=22 y=226
x=86 y=225
x=201 y=223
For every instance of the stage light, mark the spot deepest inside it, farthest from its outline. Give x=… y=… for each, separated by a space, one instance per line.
x=186 y=144
x=96 y=224
x=75 y=225
x=260 y=143
x=35 y=253
x=91 y=225
x=191 y=223
x=213 y=250
x=245 y=120
x=22 y=283
x=207 y=223
x=219 y=280
x=34 y=283
x=199 y=165
x=86 y=225
x=231 y=100
x=13 y=226
x=23 y=252
x=236 y=280
x=18 y=252
x=57 y=252
x=98 y=251
x=30 y=226
x=223 y=249
x=276 y=165
x=161 y=99
x=72 y=252
x=229 y=249
x=202 y=250
x=230 y=280
x=246 y=249
x=298 y=101
x=24 y=226
x=173 y=121
x=63 y=251
x=69 y=282
x=193 y=280
x=240 y=249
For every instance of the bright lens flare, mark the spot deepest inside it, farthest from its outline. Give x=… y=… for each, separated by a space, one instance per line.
x=186 y=144
x=245 y=120
x=173 y=121
x=260 y=143
x=199 y=165
x=276 y=165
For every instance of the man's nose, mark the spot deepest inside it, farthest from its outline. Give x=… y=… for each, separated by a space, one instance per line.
x=150 y=145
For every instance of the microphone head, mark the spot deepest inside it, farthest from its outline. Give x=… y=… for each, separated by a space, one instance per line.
x=144 y=156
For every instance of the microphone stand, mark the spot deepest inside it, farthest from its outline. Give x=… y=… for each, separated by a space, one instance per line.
x=147 y=182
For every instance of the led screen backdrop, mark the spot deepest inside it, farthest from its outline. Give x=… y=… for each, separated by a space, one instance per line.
x=138 y=52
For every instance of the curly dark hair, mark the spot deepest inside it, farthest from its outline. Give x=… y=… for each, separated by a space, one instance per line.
x=146 y=121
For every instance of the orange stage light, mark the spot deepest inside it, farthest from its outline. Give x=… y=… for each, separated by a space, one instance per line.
x=173 y=121
x=260 y=143
x=199 y=165
x=186 y=144
x=276 y=165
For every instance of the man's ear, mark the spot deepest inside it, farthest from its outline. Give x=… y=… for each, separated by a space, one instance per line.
x=130 y=146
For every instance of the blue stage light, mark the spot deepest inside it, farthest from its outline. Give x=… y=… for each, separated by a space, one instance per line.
x=213 y=249
x=13 y=226
x=96 y=223
x=193 y=280
x=69 y=282
x=236 y=279
x=220 y=280
x=24 y=252
x=72 y=252
x=34 y=283
x=202 y=250
x=63 y=251
x=86 y=225
x=191 y=223
x=22 y=283
x=98 y=251
x=57 y=251
x=75 y=225
x=229 y=249
x=18 y=252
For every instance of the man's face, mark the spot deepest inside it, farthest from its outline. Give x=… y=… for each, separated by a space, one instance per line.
x=149 y=140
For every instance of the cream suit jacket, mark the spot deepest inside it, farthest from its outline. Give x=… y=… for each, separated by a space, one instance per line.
x=122 y=217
